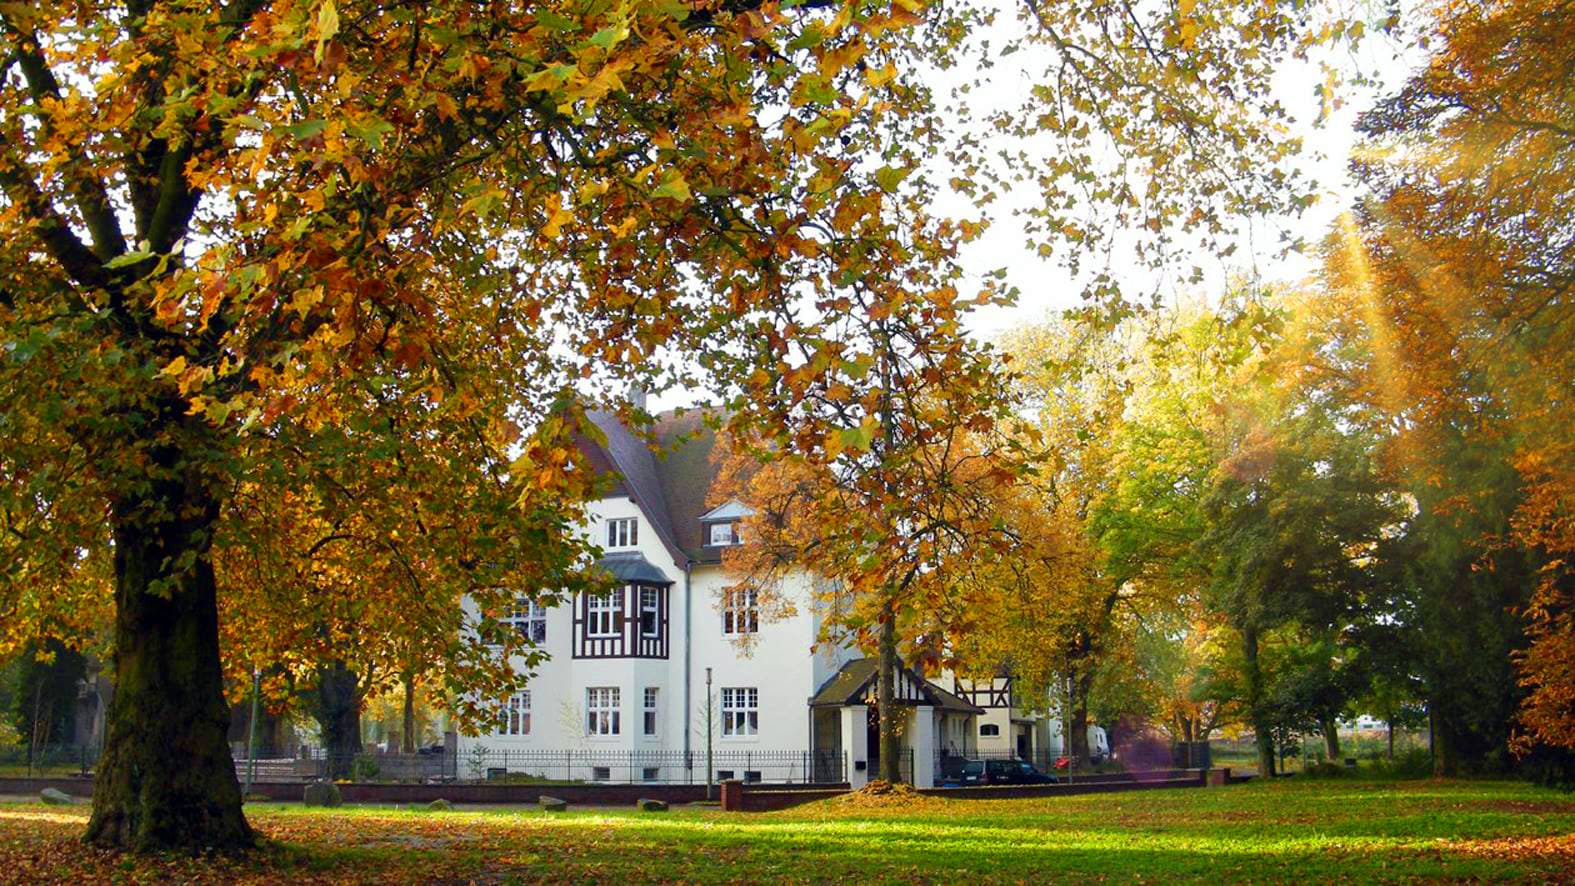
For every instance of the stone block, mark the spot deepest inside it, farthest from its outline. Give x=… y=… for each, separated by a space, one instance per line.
x=645 y=804
x=553 y=804
x=54 y=797
x=322 y=793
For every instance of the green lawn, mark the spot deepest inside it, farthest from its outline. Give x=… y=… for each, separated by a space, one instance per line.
x=1284 y=831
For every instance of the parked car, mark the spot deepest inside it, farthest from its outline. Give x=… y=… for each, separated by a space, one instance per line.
x=981 y=772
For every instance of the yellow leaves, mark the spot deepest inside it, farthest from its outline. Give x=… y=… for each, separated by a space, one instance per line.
x=878 y=77
x=327 y=27
x=557 y=216
x=624 y=228
x=175 y=367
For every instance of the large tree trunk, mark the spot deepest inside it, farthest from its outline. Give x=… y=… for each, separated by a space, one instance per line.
x=885 y=698
x=1263 y=731
x=1331 y=739
x=338 y=713
x=166 y=779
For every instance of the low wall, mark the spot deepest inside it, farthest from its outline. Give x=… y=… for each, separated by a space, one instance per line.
x=29 y=787
x=508 y=794
x=754 y=797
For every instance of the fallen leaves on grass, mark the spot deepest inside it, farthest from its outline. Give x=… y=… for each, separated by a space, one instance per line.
x=1560 y=847
x=879 y=794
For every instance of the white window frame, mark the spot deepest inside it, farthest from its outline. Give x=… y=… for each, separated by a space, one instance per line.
x=740 y=712
x=655 y=608
x=602 y=714
x=515 y=717
x=623 y=532
x=650 y=723
x=740 y=619
x=731 y=538
x=529 y=619
x=604 y=614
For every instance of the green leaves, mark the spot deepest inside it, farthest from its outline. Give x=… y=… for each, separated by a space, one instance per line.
x=306 y=129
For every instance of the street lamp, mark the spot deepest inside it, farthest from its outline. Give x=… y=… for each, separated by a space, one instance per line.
x=709 y=729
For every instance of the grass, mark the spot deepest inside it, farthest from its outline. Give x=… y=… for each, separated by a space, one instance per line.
x=1288 y=830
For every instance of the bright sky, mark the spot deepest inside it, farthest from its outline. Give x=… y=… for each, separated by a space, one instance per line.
x=1045 y=287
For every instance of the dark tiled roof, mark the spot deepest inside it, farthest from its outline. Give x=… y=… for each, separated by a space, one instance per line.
x=633 y=567
x=672 y=486
x=687 y=473
x=631 y=457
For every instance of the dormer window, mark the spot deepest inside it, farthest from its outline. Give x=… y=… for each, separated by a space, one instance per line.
x=722 y=534
x=719 y=526
x=623 y=532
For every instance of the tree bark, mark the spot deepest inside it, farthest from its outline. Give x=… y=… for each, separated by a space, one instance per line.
x=1331 y=739
x=885 y=699
x=1391 y=725
x=166 y=780
x=1077 y=729
x=1263 y=731
x=407 y=737
x=338 y=713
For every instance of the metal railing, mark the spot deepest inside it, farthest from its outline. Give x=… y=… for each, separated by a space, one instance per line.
x=569 y=766
x=49 y=759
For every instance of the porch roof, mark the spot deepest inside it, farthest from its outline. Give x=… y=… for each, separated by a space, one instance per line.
x=853 y=684
x=633 y=568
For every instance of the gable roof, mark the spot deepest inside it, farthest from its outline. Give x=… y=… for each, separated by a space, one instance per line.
x=629 y=456
x=671 y=485
x=852 y=684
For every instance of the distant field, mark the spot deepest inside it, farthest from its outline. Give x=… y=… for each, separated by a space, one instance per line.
x=1289 y=830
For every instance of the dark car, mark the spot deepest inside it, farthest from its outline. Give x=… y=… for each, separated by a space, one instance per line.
x=977 y=772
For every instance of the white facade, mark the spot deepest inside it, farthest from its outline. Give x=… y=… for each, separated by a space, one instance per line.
x=642 y=696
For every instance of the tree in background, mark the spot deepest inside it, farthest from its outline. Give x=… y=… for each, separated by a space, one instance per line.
x=43 y=696
x=1462 y=262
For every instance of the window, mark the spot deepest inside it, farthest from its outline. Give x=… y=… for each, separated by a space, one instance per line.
x=741 y=711
x=722 y=534
x=601 y=710
x=623 y=532
x=651 y=773
x=650 y=612
x=649 y=726
x=604 y=614
x=516 y=715
x=740 y=612
x=601 y=773
x=530 y=619
x=989 y=729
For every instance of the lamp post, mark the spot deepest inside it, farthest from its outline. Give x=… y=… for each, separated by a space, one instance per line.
x=251 y=731
x=709 y=707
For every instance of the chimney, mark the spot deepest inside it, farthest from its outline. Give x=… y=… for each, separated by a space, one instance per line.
x=637 y=396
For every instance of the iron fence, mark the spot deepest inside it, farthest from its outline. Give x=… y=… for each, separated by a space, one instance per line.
x=904 y=765
x=949 y=764
x=49 y=759
x=568 y=766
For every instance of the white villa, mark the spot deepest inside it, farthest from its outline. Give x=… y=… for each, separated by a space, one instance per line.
x=627 y=673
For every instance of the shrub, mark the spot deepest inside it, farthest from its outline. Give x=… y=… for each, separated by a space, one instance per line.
x=364 y=768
